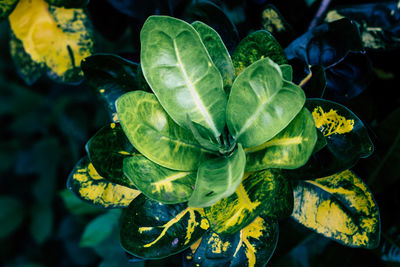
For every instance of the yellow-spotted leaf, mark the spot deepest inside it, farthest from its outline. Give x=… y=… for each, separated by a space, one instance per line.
x=256 y=46
x=89 y=186
x=266 y=192
x=252 y=246
x=290 y=149
x=218 y=178
x=153 y=230
x=155 y=135
x=340 y=207
x=6 y=7
x=218 y=52
x=181 y=73
x=159 y=183
x=107 y=150
x=28 y=69
x=56 y=37
x=346 y=139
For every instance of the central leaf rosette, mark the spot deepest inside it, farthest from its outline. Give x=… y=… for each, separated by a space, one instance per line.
x=195 y=145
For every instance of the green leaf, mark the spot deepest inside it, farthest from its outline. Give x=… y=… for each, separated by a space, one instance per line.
x=77 y=206
x=152 y=230
x=180 y=72
x=159 y=183
x=271 y=103
x=6 y=7
x=41 y=222
x=256 y=46
x=107 y=150
x=218 y=178
x=156 y=135
x=68 y=3
x=252 y=246
x=267 y=192
x=287 y=72
x=218 y=53
x=100 y=228
x=89 y=186
x=11 y=215
x=111 y=76
x=346 y=136
x=29 y=70
x=321 y=142
x=54 y=37
x=340 y=207
x=290 y=149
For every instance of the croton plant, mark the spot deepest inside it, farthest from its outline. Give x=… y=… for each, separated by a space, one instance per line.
x=208 y=151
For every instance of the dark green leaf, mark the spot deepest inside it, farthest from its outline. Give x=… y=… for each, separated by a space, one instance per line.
x=218 y=53
x=315 y=86
x=340 y=207
x=346 y=136
x=6 y=7
x=265 y=98
x=89 y=186
x=252 y=246
x=159 y=183
x=275 y=23
x=290 y=149
x=156 y=135
x=181 y=73
x=152 y=230
x=267 y=192
x=287 y=72
x=256 y=46
x=218 y=178
x=100 y=228
x=212 y=15
x=107 y=150
x=111 y=76
x=11 y=215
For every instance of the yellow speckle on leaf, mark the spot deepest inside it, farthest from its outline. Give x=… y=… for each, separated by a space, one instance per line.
x=102 y=91
x=217 y=246
x=272 y=21
x=331 y=123
x=57 y=37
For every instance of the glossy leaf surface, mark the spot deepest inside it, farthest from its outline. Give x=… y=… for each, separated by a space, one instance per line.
x=59 y=38
x=267 y=192
x=290 y=149
x=6 y=7
x=152 y=230
x=89 y=186
x=181 y=73
x=156 y=135
x=212 y=15
x=159 y=183
x=218 y=52
x=256 y=46
x=107 y=150
x=252 y=246
x=287 y=72
x=110 y=76
x=340 y=207
x=346 y=140
x=271 y=103
x=218 y=178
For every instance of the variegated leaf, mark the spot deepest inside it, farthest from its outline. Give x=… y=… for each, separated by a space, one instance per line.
x=156 y=135
x=56 y=37
x=159 y=183
x=340 y=207
x=253 y=246
x=152 y=230
x=89 y=186
x=290 y=149
x=107 y=150
x=266 y=192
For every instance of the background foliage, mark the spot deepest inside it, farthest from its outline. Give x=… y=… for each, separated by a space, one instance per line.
x=45 y=127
